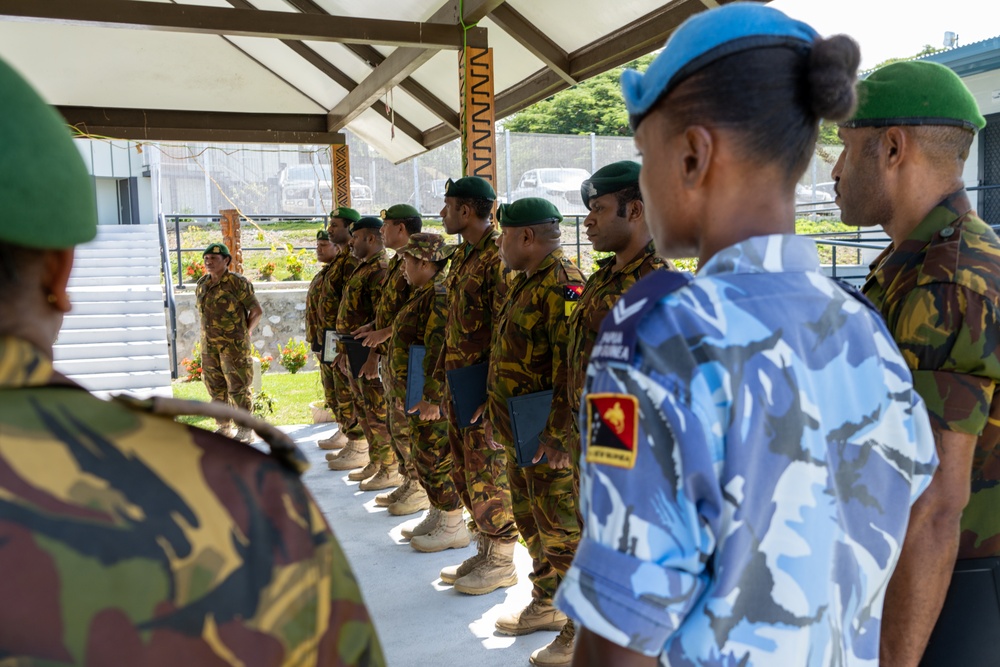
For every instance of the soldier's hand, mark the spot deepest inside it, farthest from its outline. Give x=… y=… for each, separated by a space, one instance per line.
x=428 y=411
x=478 y=413
x=488 y=430
x=340 y=363
x=557 y=460
x=373 y=338
x=364 y=328
x=370 y=368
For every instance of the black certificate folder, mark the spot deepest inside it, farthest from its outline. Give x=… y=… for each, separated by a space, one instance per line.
x=330 y=340
x=528 y=416
x=357 y=354
x=468 y=391
x=415 y=375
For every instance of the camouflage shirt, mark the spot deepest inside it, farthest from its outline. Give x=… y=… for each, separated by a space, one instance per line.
x=225 y=308
x=476 y=284
x=138 y=541
x=395 y=292
x=752 y=447
x=323 y=298
x=939 y=292
x=599 y=295
x=361 y=293
x=532 y=326
x=420 y=321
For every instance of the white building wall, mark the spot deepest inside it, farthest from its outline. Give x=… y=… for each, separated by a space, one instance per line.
x=986 y=89
x=108 y=162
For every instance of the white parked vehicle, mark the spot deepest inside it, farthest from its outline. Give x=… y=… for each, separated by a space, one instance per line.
x=559 y=185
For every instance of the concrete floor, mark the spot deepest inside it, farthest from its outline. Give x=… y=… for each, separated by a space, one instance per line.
x=421 y=622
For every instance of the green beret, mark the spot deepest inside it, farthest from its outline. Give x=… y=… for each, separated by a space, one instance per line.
x=429 y=247
x=470 y=187
x=47 y=195
x=528 y=211
x=400 y=211
x=217 y=249
x=610 y=178
x=367 y=222
x=345 y=213
x=322 y=235
x=915 y=93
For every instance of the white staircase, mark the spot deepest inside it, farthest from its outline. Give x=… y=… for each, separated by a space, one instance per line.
x=115 y=338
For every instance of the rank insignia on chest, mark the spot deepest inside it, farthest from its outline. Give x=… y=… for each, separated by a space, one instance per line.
x=571 y=294
x=612 y=429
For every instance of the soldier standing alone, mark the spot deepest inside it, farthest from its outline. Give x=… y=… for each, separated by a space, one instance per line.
x=229 y=313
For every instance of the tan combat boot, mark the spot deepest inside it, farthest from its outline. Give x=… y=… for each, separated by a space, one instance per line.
x=429 y=523
x=450 y=533
x=536 y=616
x=386 y=477
x=386 y=499
x=338 y=441
x=363 y=474
x=452 y=573
x=493 y=572
x=411 y=501
x=354 y=455
x=559 y=651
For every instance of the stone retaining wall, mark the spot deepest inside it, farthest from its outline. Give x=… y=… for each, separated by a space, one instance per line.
x=284 y=318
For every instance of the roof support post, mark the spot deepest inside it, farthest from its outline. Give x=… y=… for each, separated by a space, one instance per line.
x=229 y=221
x=478 y=114
x=340 y=165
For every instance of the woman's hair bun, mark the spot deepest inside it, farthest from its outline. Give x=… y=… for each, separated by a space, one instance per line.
x=833 y=72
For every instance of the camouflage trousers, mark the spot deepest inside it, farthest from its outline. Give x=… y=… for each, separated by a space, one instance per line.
x=399 y=433
x=545 y=509
x=480 y=476
x=337 y=394
x=228 y=374
x=369 y=404
x=432 y=462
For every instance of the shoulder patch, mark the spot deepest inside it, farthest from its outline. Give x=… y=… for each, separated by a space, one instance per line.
x=612 y=429
x=571 y=294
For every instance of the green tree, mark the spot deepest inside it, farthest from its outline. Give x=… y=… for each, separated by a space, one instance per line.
x=595 y=105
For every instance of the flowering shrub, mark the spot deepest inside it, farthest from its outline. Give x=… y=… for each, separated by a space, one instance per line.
x=293 y=355
x=193 y=366
x=264 y=359
x=267 y=270
x=295 y=266
x=194 y=270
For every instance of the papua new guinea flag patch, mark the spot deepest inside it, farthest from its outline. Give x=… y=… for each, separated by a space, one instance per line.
x=612 y=429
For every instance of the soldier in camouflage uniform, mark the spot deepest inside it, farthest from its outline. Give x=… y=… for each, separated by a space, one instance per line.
x=125 y=537
x=318 y=318
x=938 y=287
x=476 y=285
x=533 y=324
x=421 y=321
x=229 y=313
x=377 y=462
x=399 y=222
x=616 y=223
x=752 y=438
x=342 y=266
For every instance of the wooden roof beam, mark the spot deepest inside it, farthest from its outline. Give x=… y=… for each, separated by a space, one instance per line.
x=138 y=15
x=533 y=39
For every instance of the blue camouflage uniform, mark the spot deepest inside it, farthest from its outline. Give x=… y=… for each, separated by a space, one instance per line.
x=752 y=446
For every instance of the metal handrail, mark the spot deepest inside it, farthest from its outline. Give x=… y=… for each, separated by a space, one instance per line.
x=168 y=295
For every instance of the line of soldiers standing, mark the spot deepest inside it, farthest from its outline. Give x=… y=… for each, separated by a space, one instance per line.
x=509 y=300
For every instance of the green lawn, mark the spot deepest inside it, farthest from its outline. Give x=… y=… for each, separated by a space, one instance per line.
x=292 y=395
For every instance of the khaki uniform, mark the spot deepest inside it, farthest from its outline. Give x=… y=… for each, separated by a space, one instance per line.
x=357 y=307
x=476 y=286
x=227 y=367
x=532 y=326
